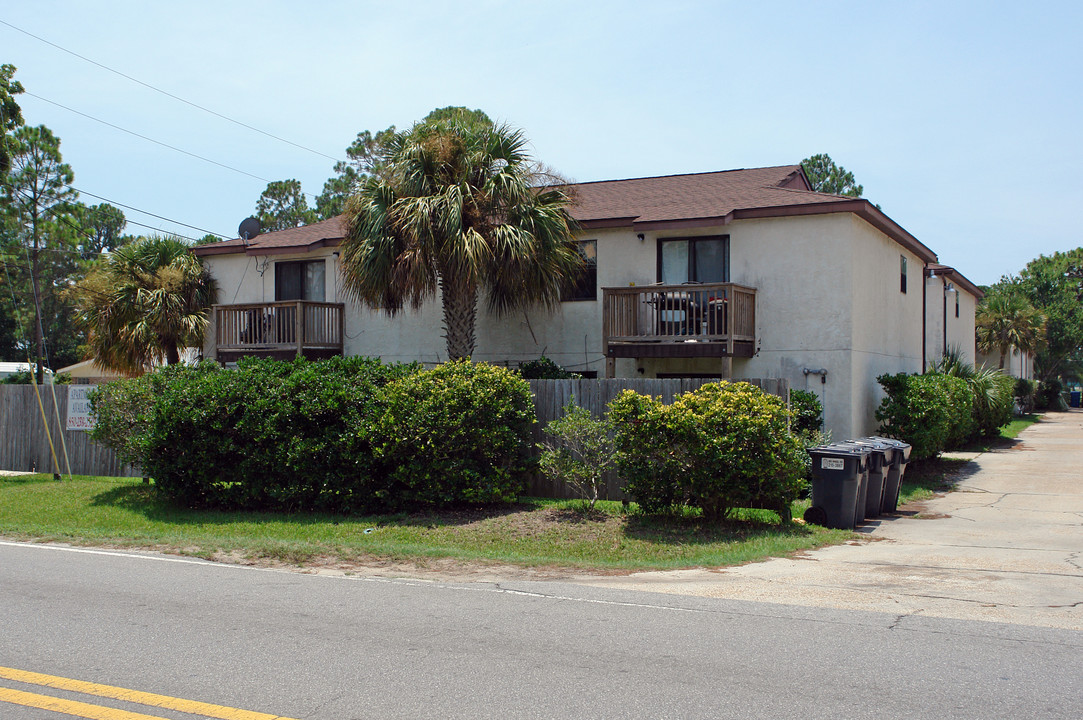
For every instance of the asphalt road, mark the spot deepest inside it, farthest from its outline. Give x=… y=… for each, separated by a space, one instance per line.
x=315 y=646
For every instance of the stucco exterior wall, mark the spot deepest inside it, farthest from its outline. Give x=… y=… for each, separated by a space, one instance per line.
x=961 y=329
x=887 y=321
x=940 y=309
x=1016 y=364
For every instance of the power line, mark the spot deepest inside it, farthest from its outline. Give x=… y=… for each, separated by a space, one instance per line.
x=157 y=142
x=85 y=234
x=171 y=95
x=148 y=139
x=135 y=209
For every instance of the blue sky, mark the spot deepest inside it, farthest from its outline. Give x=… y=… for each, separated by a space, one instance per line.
x=962 y=120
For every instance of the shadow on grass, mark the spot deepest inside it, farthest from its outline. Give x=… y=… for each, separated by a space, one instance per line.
x=145 y=500
x=26 y=479
x=683 y=530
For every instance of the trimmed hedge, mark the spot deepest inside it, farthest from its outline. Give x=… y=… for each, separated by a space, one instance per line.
x=721 y=447
x=268 y=435
x=930 y=412
x=341 y=435
x=458 y=433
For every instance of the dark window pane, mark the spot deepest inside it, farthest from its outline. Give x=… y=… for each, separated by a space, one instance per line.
x=711 y=261
x=586 y=285
x=288 y=281
x=300 y=281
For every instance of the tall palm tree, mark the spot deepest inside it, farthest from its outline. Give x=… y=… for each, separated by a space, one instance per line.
x=1005 y=320
x=458 y=209
x=145 y=302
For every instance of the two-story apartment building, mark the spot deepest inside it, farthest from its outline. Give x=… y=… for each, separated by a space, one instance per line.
x=741 y=273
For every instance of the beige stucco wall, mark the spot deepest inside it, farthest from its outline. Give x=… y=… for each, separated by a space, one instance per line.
x=827 y=298
x=1016 y=364
x=960 y=330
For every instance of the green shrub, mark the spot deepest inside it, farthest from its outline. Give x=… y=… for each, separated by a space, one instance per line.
x=578 y=451
x=1024 y=394
x=723 y=446
x=930 y=412
x=1048 y=395
x=806 y=412
x=458 y=433
x=19 y=377
x=545 y=369
x=268 y=435
x=994 y=401
x=991 y=393
x=123 y=410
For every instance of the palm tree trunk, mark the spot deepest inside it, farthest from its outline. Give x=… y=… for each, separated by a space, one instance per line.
x=460 y=303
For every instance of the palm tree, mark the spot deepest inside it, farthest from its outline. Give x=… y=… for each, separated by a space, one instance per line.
x=1005 y=320
x=144 y=302
x=458 y=208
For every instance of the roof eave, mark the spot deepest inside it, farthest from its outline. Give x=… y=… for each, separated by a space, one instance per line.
x=860 y=207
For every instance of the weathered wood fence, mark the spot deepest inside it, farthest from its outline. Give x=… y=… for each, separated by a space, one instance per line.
x=24 y=444
x=551 y=396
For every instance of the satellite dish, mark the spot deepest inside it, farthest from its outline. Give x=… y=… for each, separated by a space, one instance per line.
x=249 y=228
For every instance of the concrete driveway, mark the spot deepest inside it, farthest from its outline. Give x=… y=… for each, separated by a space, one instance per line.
x=1005 y=546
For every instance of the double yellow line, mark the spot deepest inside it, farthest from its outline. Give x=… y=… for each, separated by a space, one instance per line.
x=100 y=712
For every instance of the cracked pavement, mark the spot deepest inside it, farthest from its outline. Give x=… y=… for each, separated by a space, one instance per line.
x=1005 y=546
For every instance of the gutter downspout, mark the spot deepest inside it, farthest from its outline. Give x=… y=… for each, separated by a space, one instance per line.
x=945 y=283
x=925 y=275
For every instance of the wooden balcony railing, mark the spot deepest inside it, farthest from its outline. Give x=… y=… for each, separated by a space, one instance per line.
x=690 y=320
x=298 y=327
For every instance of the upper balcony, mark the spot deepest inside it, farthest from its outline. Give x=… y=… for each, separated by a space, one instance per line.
x=679 y=321
x=282 y=330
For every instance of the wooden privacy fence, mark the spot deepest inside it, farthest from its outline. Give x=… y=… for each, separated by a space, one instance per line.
x=24 y=444
x=551 y=396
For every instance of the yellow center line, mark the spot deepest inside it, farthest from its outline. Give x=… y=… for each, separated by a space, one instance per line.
x=70 y=707
x=193 y=707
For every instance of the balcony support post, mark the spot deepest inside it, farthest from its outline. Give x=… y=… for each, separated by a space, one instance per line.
x=299 y=327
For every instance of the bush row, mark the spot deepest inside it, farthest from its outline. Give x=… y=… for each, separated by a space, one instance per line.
x=342 y=434
x=352 y=434
x=941 y=410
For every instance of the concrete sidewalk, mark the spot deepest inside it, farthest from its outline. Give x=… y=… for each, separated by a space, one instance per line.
x=1005 y=546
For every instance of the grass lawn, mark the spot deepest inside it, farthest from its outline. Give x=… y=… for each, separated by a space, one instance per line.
x=123 y=512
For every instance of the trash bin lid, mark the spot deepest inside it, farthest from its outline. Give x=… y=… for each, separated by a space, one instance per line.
x=845 y=450
x=882 y=452
x=903 y=447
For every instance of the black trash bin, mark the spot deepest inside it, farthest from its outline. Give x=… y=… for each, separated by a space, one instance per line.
x=863 y=486
x=895 y=471
x=836 y=482
x=880 y=459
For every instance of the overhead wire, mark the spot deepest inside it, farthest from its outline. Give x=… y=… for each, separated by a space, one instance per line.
x=126 y=220
x=157 y=142
x=148 y=139
x=171 y=95
x=161 y=143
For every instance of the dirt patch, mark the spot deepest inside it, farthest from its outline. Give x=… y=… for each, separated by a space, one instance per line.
x=431 y=569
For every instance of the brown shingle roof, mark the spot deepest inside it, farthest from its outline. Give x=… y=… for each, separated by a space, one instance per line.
x=686 y=197
x=669 y=201
x=299 y=239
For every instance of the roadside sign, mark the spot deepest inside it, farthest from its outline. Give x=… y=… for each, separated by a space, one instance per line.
x=79 y=417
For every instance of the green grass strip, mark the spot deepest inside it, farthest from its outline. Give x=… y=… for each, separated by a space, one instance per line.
x=124 y=512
